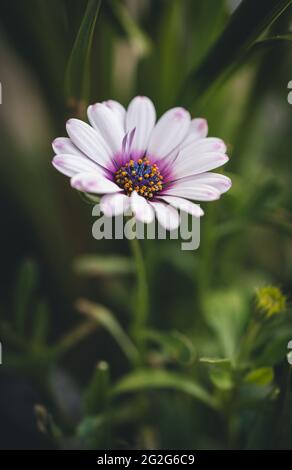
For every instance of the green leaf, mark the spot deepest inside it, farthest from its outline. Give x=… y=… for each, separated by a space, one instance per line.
x=77 y=80
x=93 y=426
x=272 y=41
x=221 y=378
x=247 y=23
x=90 y=425
x=144 y=380
x=25 y=288
x=263 y=376
x=226 y=312
x=169 y=59
x=175 y=346
x=205 y=26
x=73 y=337
x=97 y=393
x=215 y=361
x=98 y=431
x=220 y=372
x=90 y=265
x=102 y=316
x=119 y=15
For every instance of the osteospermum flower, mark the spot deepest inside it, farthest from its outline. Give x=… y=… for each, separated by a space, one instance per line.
x=132 y=161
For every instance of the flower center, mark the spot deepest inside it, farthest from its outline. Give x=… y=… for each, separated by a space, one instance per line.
x=140 y=176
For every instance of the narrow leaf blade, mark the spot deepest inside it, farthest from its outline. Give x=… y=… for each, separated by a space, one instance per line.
x=161 y=379
x=77 y=80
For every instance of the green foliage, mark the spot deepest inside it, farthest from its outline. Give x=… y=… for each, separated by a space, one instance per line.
x=104 y=266
x=78 y=69
x=124 y=22
x=102 y=316
x=227 y=314
x=221 y=378
x=97 y=393
x=162 y=379
x=176 y=353
x=248 y=22
x=262 y=376
x=173 y=346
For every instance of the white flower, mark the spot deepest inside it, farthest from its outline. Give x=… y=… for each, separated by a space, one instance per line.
x=132 y=161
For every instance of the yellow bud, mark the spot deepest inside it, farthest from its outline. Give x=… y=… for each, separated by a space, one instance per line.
x=270 y=300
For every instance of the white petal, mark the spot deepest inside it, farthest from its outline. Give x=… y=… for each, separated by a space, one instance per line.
x=169 y=132
x=119 y=111
x=209 y=144
x=166 y=215
x=201 y=192
x=185 y=165
x=141 y=208
x=102 y=118
x=198 y=130
x=184 y=205
x=69 y=165
x=65 y=146
x=220 y=182
x=92 y=183
x=89 y=141
x=114 y=204
x=141 y=116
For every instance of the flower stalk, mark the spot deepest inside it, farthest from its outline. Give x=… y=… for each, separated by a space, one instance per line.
x=141 y=300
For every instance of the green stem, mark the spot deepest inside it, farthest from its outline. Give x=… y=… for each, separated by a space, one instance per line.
x=203 y=272
x=248 y=342
x=141 y=302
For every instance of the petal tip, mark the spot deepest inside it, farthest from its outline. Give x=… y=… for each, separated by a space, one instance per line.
x=181 y=114
x=70 y=122
x=76 y=184
x=57 y=144
x=203 y=123
x=57 y=159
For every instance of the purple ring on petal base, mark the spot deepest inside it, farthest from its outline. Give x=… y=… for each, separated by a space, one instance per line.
x=132 y=161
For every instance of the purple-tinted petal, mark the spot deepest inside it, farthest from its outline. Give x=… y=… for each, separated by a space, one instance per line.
x=141 y=116
x=92 y=183
x=69 y=165
x=169 y=132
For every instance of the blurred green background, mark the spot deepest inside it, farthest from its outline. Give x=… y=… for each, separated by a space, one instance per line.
x=213 y=371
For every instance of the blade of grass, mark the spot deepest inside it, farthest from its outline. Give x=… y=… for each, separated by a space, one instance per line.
x=161 y=379
x=124 y=23
x=247 y=23
x=102 y=316
x=77 y=80
x=97 y=392
x=75 y=336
